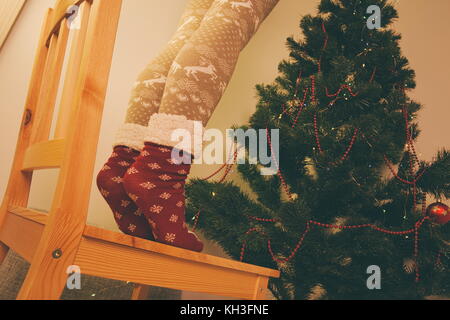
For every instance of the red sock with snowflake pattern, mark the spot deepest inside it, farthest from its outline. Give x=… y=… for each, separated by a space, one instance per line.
x=129 y=218
x=156 y=185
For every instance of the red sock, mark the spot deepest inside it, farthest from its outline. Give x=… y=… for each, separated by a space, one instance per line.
x=128 y=217
x=156 y=184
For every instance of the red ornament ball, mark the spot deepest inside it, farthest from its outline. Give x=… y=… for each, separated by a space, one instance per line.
x=439 y=213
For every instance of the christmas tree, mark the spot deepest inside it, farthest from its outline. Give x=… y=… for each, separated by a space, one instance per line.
x=350 y=192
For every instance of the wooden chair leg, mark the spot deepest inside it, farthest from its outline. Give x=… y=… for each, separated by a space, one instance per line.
x=52 y=291
x=3 y=252
x=140 y=292
x=261 y=288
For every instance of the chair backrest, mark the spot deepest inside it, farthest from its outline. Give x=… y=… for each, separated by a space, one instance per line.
x=73 y=147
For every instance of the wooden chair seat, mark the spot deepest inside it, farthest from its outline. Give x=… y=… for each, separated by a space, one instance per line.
x=117 y=256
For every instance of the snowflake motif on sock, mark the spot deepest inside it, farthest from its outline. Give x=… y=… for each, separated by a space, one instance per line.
x=145 y=153
x=165 y=195
x=132 y=171
x=114 y=155
x=132 y=227
x=152 y=223
x=156 y=209
x=104 y=193
x=170 y=161
x=117 y=179
x=177 y=186
x=106 y=167
x=147 y=185
x=125 y=203
x=180 y=204
x=182 y=172
x=164 y=150
x=133 y=197
x=124 y=164
x=173 y=218
x=154 y=166
x=170 y=237
x=118 y=215
x=165 y=177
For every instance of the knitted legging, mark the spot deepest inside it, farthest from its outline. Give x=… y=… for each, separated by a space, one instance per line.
x=191 y=74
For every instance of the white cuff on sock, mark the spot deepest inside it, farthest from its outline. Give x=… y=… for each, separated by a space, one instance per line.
x=131 y=135
x=176 y=131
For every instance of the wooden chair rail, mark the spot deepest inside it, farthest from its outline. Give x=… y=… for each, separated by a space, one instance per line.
x=44 y=155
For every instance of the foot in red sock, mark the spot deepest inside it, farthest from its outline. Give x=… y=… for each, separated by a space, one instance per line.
x=156 y=184
x=128 y=217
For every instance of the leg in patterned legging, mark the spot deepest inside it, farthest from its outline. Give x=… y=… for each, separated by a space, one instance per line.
x=146 y=96
x=195 y=84
x=145 y=100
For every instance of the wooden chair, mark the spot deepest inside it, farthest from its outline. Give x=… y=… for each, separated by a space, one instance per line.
x=52 y=242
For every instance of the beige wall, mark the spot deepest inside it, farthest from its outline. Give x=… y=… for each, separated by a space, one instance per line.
x=146 y=25
x=9 y=10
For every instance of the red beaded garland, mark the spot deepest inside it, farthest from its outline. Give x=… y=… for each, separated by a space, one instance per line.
x=280 y=175
x=344 y=86
x=316 y=133
x=299 y=244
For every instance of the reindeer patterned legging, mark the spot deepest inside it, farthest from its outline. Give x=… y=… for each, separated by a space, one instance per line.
x=191 y=74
